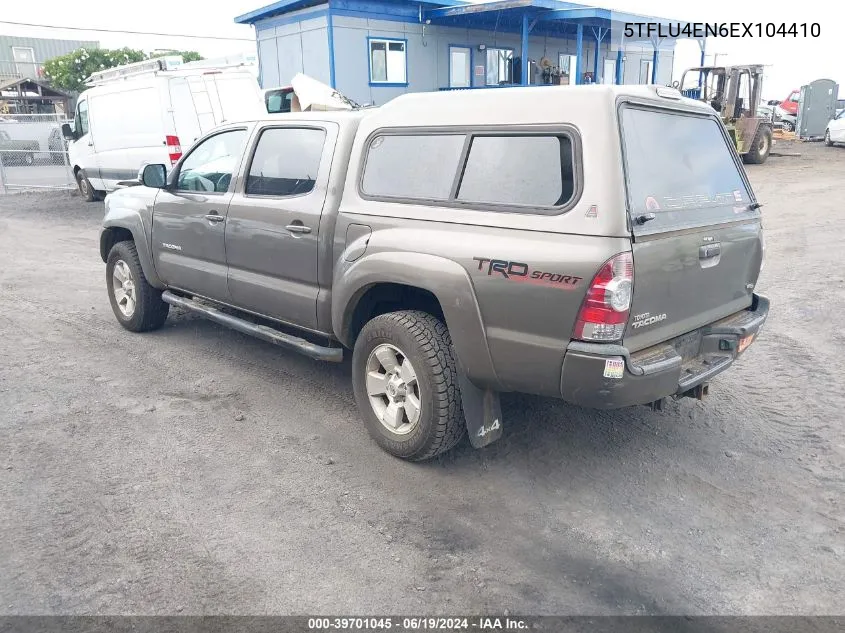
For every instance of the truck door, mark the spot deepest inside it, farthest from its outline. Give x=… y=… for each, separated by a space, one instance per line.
x=189 y=218
x=272 y=237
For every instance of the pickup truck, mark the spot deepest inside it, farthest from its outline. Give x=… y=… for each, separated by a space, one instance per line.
x=17 y=151
x=598 y=244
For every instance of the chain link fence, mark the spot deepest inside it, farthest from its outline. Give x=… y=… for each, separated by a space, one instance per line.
x=33 y=153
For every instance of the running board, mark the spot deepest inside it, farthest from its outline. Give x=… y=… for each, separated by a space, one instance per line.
x=312 y=350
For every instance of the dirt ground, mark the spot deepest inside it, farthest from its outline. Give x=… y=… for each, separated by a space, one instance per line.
x=195 y=470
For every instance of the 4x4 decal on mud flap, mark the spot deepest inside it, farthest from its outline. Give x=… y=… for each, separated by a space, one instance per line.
x=522 y=272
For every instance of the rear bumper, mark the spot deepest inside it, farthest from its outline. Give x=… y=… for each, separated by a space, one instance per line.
x=603 y=376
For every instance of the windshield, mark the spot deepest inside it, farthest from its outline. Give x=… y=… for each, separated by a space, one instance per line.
x=680 y=167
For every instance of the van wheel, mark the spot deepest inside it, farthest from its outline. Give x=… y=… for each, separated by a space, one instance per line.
x=406 y=385
x=136 y=304
x=760 y=146
x=88 y=192
x=28 y=160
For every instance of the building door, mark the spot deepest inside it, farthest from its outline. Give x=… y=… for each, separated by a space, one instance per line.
x=566 y=64
x=645 y=71
x=608 y=73
x=25 y=64
x=460 y=67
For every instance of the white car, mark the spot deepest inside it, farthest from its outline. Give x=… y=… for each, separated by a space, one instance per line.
x=835 y=132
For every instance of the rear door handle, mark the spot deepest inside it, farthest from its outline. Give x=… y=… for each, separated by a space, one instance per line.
x=298 y=228
x=214 y=217
x=709 y=250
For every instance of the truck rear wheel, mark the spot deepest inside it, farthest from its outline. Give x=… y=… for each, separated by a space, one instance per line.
x=136 y=304
x=406 y=385
x=760 y=146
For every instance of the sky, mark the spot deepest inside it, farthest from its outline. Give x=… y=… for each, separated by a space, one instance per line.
x=790 y=62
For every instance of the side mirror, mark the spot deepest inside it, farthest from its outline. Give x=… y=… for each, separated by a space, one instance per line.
x=67 y=132
x=154 y=176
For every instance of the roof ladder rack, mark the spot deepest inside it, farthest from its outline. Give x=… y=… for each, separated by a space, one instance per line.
x=130 y=70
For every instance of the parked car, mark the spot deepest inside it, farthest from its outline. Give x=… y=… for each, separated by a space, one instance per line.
x=461 y=244
x=777 y=115
x=146 y=112
x=835 y=132
x=791 y=102
x=17 y=151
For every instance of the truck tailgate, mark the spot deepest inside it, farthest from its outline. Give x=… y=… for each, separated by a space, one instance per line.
x=697 y=230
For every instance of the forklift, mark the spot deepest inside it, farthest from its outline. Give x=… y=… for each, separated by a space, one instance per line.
x=735 y=92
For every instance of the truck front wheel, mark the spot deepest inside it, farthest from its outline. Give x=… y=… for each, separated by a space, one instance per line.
x=406 y=384
x=136 y=304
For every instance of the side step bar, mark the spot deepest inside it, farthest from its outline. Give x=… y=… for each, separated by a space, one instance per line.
x=312 y=350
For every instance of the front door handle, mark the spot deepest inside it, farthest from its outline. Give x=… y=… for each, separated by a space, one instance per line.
x=298 y=228
x=214 y=217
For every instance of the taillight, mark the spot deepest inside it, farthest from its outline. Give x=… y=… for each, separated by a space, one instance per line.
x=174 y=148
x=604 y=312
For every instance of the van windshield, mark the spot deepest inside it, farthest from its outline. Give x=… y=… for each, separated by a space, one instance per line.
x=680 y=167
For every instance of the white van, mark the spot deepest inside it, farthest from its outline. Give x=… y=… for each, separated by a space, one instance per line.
x=147 y=112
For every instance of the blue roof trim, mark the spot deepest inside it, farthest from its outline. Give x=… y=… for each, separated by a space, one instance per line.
x=267 y=24
x=277 y=8
x=393 y=7
x=553 y=18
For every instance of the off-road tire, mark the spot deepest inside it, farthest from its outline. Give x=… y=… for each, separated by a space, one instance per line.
x=150 y=311
x=761 y=146
x=426 y=342
x=827 y=140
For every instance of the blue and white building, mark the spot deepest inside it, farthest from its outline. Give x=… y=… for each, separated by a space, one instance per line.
x=374 y=50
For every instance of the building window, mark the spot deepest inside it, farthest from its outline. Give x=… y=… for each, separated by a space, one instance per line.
x=388 y=61
x=499 y=66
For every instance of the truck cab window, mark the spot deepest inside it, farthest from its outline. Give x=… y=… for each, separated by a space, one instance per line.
x=209 y=166
x=286 y=162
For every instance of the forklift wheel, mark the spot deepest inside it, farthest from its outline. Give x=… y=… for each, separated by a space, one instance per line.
x=760 y=146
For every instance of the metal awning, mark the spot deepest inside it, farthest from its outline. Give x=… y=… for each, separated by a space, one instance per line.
x=567 y=20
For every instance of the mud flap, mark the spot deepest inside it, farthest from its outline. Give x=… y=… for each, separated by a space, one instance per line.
x=482 y=411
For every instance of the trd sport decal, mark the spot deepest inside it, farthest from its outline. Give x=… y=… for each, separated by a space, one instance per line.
x=521 y=272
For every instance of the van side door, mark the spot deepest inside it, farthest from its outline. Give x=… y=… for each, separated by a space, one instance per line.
x=189 y=218
x=272 y=230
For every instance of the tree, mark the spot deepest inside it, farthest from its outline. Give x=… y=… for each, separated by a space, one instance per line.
x=187 y=56
x=68 y=72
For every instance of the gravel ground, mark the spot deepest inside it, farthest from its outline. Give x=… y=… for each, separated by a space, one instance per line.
x=195 y=470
